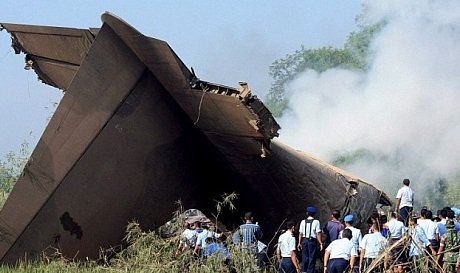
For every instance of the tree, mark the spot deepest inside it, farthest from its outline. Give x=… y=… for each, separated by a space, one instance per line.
x=452 y=193
x=355 y=55
x=11 y=168
x=285 y=70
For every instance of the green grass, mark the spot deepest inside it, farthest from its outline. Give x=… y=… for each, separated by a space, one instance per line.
x=147 y=252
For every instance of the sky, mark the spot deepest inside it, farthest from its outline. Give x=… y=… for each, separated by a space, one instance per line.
x=404 y=110
x=224 y=41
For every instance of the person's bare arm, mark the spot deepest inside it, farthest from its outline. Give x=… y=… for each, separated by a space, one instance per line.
x=352 y=261
x=440 y=250
x=398 y=202
x=326 y=259
x=320 y=240
x=361 y=258
x=197 y=248
x=278 y=255
x=295 y=261
x=299 y=245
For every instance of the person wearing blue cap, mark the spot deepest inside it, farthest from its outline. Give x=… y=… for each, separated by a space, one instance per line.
x=309 y=237
x=356 y=233
x=356 y=237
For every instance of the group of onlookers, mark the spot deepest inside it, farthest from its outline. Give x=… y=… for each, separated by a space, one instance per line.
x=205 y=241
x=391 y=243
x=387 y=246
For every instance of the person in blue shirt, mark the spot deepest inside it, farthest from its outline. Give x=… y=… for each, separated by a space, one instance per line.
x=215 y=247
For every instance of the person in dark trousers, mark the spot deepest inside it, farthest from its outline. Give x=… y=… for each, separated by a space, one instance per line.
x=309 y=239
x=285 y=251
x=340 y=253
x=405 y=201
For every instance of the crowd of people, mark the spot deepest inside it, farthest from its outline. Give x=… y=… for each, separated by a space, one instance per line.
x=204 y=241
x=391 y=243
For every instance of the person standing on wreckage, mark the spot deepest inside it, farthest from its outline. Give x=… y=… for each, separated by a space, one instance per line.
x=405 y=201
x=309 y=237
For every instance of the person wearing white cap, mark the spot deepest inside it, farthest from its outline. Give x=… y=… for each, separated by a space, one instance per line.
x=309 y=237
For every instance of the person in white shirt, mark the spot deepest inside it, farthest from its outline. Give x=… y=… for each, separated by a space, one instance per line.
x=285 y=251
x=405 y=201
x=419 y=240
x=397 y=231
x=309 y=237
x=429 y=227
x=187 y=239
x=396 y=227
x=355 y=239
x=371 y=246
x=201 y=240
x=340 y=253
x=356 y=233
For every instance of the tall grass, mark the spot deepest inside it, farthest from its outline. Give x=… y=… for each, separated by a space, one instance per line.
x=150 y=251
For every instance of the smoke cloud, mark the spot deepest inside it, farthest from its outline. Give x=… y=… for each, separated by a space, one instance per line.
x=404 y=110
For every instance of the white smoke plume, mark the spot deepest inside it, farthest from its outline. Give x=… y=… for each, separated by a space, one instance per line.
x=405 y=109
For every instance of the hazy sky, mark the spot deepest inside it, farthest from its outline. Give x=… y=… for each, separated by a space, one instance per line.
x=224 y=41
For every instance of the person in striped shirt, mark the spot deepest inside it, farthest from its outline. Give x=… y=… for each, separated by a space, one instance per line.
x=250 y=234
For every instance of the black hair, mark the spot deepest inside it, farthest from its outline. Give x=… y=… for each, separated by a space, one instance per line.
x=373 y=218
x=336 y=214
x=423 y=212
x=429 y=214
x=450 y=214
x=290 y=224
x=443 y=213
x=346 y=233
x=248 y=215
x=406 y=181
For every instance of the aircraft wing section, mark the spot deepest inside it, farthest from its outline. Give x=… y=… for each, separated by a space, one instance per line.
x=55 y=53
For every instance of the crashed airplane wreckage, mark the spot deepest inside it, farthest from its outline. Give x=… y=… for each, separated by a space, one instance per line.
x=136 y=131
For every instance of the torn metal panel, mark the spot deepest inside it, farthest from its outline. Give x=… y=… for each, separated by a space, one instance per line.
x=136 y=131
x=55 y=53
